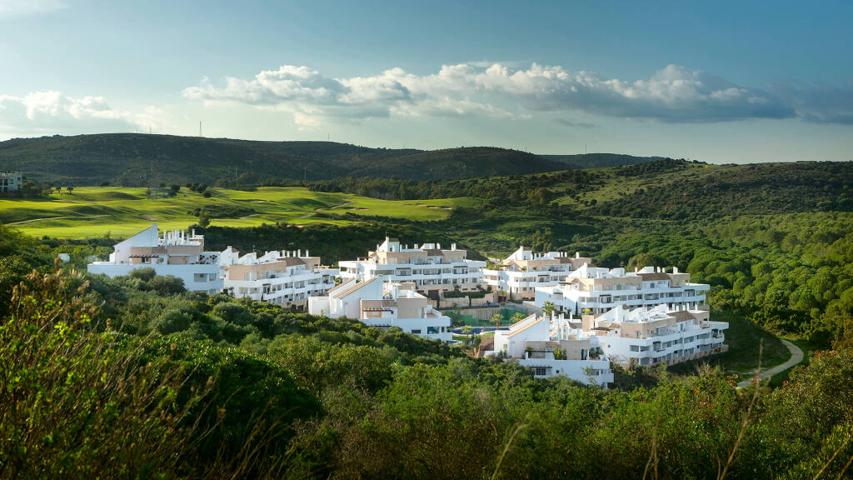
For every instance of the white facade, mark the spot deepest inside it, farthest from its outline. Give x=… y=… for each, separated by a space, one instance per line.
x=520 y=273
x=540 y=344
x=286 y=278
x=649 y=336
x=10 y=181
x=598 y=290
x=175 y=253
x=428 y=266
x=379 y=304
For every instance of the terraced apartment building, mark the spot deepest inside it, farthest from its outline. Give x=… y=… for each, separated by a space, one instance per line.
x=285 y=278
x=177 y=253
x=522 y=272
x=593 y=290
x=429 y=267
x=381 y=304
x=537 y=343
x=649 y=336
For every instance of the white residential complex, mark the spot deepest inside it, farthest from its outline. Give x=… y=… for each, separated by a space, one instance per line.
x=10 y=181
x=285 y=278
x=648 y=336
x=377 y=303
x=541 y=344
x=582 y=349
x=175 y=253
x=598 y=290
x=431 y=268
x=523 y=271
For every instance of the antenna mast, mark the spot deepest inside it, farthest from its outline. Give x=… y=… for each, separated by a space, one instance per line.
x=199 y=129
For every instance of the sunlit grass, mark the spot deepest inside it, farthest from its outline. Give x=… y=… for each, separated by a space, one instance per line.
x=91 y=212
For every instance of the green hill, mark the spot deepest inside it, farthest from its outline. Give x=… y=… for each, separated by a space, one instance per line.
x=598 y=160
x=129 y=160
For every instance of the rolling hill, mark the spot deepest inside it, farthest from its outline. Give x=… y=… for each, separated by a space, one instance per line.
x=138 y=160
x=599 y=160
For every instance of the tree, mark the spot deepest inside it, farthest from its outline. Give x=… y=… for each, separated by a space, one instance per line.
x=548 y=308
x=497 y=319
x=203 y=221
x=166 y=285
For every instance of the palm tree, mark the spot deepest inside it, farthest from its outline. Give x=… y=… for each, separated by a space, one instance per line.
x=497 y=319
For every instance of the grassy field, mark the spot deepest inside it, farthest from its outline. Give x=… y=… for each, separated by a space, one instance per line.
x=92 y=212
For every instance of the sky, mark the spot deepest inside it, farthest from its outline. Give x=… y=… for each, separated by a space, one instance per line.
x=722 y=82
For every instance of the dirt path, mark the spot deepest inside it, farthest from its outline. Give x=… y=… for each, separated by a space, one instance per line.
x=796 y=358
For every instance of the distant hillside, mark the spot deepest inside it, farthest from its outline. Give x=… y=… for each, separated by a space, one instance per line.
x=595 y=160
x=670 y=190
x=129 y=159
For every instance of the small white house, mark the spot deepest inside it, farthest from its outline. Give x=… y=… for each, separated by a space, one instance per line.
x=176 y=253
x=548 y=348
x=377 y=304
x=11 y=181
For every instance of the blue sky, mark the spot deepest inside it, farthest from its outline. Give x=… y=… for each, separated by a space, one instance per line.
x=715 y=81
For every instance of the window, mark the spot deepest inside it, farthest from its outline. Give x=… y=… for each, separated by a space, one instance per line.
x=635 y=348
x=540 y=371
x=416 y=331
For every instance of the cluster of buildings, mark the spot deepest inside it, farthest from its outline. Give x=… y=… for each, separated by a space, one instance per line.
x=585 y=319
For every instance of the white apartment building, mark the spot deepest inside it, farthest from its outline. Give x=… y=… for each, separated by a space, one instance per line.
x=548 y=348
x=377 y=303
x=649 y=336
x=11 y=181
x=431 y=268
x=285 y=278
x=175 y=253
x=520 y=273
x=598 y=290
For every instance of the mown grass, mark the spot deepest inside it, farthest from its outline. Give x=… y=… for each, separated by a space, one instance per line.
x=93 y=212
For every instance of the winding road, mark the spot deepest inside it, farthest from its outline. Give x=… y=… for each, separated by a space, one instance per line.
x=796 y=358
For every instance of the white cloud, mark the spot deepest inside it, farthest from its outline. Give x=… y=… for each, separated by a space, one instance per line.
x=673 y=94
x=49 y=112
x=21 y=8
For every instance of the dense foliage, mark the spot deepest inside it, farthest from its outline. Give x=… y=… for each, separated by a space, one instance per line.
x=741 y=189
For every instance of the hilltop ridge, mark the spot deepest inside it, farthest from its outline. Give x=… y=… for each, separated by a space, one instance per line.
x=129 y=159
